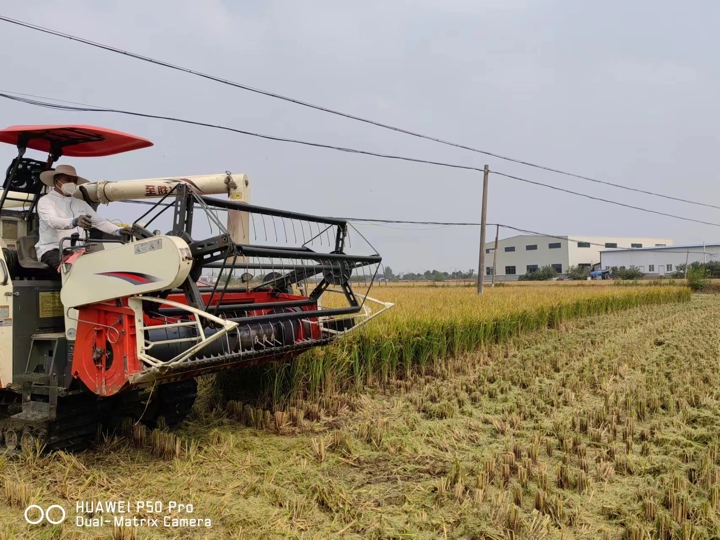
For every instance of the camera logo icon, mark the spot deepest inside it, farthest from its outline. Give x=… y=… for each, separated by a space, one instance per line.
x=54 y=514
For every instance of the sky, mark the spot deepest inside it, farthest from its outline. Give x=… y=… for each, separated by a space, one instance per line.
x=622 y=91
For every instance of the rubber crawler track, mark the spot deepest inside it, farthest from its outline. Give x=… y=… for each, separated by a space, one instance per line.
x=82 y=417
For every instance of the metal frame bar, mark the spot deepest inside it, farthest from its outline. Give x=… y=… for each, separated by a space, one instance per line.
x=368 y=316
x=293 y=315
x=31 y=198
x=249 y=306
x=136 y=302
x=329 y=261
x=251 y=208
x=253 y=251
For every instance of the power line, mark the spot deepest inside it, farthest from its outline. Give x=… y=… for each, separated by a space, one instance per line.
x=560 y=237
x=339 y=113
x=45 y=97
x=400 y=221
x=517 y=229
x=60 y=107
x=445 y=224
x=639 y=208
x=502 y=226
x=411 y=229
x=359 y=220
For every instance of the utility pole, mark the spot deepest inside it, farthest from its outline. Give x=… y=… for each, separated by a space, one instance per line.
x=497 y=233
x=483 y=221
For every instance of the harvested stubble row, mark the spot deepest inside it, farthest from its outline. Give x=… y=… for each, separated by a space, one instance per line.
x=428 y=325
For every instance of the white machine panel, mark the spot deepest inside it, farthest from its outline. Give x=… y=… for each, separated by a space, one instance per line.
x=152 y=264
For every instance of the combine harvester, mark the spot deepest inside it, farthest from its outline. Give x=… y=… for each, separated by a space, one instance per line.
x=123 y=329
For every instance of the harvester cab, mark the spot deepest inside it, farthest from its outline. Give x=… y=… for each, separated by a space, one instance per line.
x=125 y=325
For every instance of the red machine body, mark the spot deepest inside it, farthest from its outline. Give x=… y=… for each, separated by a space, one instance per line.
x=106 y=359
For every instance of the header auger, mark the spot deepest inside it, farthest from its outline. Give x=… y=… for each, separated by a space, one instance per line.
x=124 y=328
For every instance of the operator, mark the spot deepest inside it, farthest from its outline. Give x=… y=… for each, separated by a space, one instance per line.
x=61 y=214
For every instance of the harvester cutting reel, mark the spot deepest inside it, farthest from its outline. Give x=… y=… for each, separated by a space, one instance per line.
x=156 y=324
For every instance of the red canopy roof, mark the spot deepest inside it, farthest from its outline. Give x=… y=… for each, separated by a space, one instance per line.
x=76 y=141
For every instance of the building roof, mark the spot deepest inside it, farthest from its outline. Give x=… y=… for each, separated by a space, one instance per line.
x=595 y=240
x=676 y=247
x=582 y=237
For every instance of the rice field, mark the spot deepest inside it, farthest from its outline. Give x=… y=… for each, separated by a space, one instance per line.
x=429 y=325
x=603 y=426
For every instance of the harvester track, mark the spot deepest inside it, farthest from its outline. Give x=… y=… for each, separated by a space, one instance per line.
x=82 y=417
x=177 y=400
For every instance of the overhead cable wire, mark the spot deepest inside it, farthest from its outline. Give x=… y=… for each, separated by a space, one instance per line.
x=411 y=229
x=328 y=110
x=600 y=199
x=57 y=106
x=517 y=229
x=446 y=224
x=361 y=220
x=401 y=221
x=60 y=107
x=45 y=97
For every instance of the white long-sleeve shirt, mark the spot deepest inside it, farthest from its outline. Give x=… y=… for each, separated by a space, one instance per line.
x=56 y=214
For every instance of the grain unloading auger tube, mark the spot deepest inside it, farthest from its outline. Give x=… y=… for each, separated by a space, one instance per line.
x=139 y=317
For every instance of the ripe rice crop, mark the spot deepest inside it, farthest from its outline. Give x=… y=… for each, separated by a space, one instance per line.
x=431 y=324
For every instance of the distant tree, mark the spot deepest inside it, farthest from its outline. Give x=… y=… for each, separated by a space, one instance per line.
x=226 y=276
x=389 y=274
x=626 y=273
x=679 y=271
x=545 y=273
x=577 y=273
x=697 y=277
x=436 y=275
x=548 y=272
x=459 y=274
x=713 y=269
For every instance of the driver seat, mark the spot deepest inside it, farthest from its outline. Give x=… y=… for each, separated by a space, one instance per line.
x=27 y=256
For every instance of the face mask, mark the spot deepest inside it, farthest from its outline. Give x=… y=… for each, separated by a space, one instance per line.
x=68 y=189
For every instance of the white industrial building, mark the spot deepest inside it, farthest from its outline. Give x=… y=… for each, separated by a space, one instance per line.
x=522 y=254
x=659 y=260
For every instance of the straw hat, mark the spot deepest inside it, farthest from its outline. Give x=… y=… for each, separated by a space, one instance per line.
x=48 y=177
